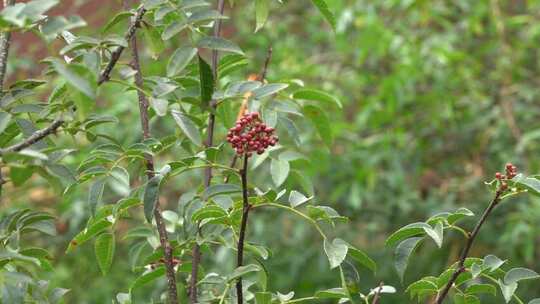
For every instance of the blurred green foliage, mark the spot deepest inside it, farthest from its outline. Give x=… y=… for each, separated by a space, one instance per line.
x=437 y=95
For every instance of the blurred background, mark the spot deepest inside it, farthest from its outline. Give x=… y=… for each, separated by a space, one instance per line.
x=438 y=95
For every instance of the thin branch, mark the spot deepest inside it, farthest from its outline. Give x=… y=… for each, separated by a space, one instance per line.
x=34 y=138
x=377 y=293
x=465 y=253
x=196 y=252
x=5 y=38
x=106 y=74
x=241 y=237
x=143 y=109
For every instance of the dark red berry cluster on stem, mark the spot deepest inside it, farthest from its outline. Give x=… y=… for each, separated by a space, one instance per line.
x=250 y=135
x=511 y=172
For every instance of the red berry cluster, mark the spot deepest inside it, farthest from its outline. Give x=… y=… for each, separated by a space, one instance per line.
x=511 y=172
x=250 y=135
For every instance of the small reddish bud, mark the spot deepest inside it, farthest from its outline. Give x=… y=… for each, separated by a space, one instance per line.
x=498 y=175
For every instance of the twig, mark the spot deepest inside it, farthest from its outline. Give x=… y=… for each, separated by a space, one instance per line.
x=143 y=109
x=244 y=105
x=4 y=52
x=106 y=74
x=5 y=38
x=377 y=293
x=245 y=213
x=196 y=252
x=34 y=138
x=465 y=253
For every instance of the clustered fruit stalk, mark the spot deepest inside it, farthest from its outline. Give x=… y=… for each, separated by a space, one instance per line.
x=248 y=135
x=241 y=237
x=511 y=172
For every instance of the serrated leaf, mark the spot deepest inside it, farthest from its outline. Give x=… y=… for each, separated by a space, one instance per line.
x=492 y=262
x=207 y=83
x=296 y=198
x=73 y=77
x=151 y=195
x=507 y=290
x=147 y=278
x=279 y=169
x=206 y=212
x=321 y=123
x=180 y=59
x=403 y=252
x=515 y=275
x=242 y=271
x=407 y=231
x=261 y=13
x=104 y=250
x=436 y=233
x=269 y=89
x=219 y=44
x=362 y=258
x=325 y=11
x=218 y=189
x=188 y=127
x=95 y=195
x=481 y=288
x=421 y=287
x=336 y=251
x=263 y=298
x=316 y=95
x=332 y=293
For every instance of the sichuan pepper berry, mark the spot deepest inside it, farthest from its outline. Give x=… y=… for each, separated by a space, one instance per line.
x=250 y=135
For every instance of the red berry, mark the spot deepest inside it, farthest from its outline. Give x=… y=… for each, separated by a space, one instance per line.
x=498 y=175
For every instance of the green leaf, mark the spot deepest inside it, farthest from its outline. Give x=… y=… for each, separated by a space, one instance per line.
x=88 y=233
x=116 y=19
x=279 y=169
x=316 y=95
x=332 y=293
x=535 y=301
x=325 y=11
x=151 y=195
x=459 y=214
x=242 y=271
x=206 y=77
x=362 y=258
x=76 y=78
x=219 y=44
x=95 y=195
x=321 y=123
x=188 y=127
x=104 y=249
x=403 y=252
x=335 y=251
x=413 y=229
x=269 y=89
x=492 y=262
x=296 y=198
x=211 y=211
x=530 y=183
x=436 y=233
x=263 y=298
x=507 y=290
x=515 y=275
x=481 y=288
x=421 y=288
x=148 y=277
x=180 y=59
x=261 y=13
x=214 y=190
x=154 y=42
x=4 y=120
